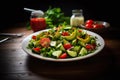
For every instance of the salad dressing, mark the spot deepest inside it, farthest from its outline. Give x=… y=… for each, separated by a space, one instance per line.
x=77 y=18
x=37 y=21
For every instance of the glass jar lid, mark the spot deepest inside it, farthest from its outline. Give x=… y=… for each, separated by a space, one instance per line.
x=37 y=13
x=77 y=11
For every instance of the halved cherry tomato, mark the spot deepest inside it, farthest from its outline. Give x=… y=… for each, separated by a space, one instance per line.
x=37 y=49
x=34 y=37
x=67 y=46
x=89 y=26
x=89 y=47
x=63 y=56
x=90 y=21
x=98 y=26
x=65 y=33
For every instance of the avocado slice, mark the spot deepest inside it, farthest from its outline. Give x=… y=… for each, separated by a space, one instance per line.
x=74 y=42
x=72 y=36
x=86 y=40
x=83 y=51
x=65 y=41
x=72 y=53
x=82 y=43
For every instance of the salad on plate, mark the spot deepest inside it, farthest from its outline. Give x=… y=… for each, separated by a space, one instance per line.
x=63 y=42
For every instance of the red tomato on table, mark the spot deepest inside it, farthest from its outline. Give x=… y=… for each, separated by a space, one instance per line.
x=90 y=21
x=89 y=26
x=98 y=26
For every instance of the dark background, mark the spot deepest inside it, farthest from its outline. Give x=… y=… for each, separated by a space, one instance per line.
x=12 y=12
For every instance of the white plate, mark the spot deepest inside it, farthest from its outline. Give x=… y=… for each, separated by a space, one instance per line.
x=25 y=43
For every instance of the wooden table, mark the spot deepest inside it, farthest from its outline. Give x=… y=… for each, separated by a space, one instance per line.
x=15 y=64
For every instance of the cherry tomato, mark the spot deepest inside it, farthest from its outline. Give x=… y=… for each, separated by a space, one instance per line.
x=34 y=37
x=37 y=49
x=63 y=56
x=65 y=33
x=98 y=26
x=89 y=47
x=88 y=25
x=67 y=46
x=90 y=21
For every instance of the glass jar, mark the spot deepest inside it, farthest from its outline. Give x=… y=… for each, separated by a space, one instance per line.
x=37 y=21
x=77 y=18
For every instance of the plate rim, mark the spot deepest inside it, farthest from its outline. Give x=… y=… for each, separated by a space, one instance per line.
x=29 y=52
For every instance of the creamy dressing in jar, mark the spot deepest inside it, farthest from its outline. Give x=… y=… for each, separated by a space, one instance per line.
x=77 y=18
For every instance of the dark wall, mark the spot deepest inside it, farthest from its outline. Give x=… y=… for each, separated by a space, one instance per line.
x=12 y=12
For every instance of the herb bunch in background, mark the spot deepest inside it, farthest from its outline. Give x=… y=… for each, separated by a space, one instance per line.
x=55 y=17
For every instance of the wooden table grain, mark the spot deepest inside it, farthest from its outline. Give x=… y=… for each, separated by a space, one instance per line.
x=15 y=64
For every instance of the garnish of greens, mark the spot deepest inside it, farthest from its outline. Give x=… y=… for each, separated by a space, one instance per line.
x=55 y=17
x=63 y=42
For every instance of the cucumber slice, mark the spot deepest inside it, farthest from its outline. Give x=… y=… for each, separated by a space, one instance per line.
x=58 y=46
x=83 y=51
x=72 y=53
x=62 y=48
x=53 y=43
x=57 y=53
